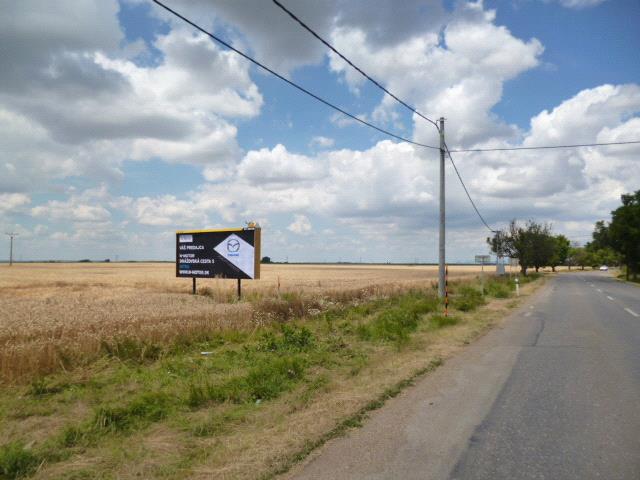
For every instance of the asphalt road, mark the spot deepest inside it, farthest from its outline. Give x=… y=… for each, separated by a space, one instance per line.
x=554 y=394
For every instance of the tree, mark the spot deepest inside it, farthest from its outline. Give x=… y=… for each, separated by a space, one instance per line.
x=580 y=257
x=624 y=232
x=572 y=257
x=265 y=260
x=542 y=243
x=560 y=251
x=532 y=244
x=601 y=237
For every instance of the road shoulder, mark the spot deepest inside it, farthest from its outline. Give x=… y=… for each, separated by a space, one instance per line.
x=414 y=432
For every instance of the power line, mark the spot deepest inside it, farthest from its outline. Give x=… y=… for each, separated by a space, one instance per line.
x=547 y=147
x=334 y=50
x=286 y=80
x=377 y=84
x=467 y=191
x=364 y=122
x=412 y=109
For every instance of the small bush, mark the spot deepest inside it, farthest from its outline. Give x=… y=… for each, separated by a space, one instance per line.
x=16 y=461
x=398 y=322
x=291 y=338
x=394 y=324
x=467 y=299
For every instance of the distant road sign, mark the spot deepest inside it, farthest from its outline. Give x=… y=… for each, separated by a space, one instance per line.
x=225 y=253
x=483 y=259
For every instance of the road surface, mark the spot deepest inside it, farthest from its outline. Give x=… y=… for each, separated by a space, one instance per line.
x=554 y=394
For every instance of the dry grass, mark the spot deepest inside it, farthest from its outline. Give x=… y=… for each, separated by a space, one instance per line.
x=276 y=436
x=58 y=316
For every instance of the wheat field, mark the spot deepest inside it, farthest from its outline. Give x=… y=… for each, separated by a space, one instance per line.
x=58 y=316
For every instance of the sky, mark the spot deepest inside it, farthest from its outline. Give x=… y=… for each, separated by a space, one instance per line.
x=120 y=124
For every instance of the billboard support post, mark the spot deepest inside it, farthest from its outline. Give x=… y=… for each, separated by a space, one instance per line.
x=239 y=289
x=482 y=260
x=194 y=286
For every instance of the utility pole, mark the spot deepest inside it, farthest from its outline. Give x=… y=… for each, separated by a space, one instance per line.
x=441 y=256
x=11 y=235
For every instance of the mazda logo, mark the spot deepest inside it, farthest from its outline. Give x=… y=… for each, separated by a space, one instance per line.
x=233 y=245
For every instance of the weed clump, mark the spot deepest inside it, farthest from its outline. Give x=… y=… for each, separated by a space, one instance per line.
x=467 y=298
x=40 y=388
x=292 y=338
x=398 y=322
x=498 y=289
x=147 y=408
x=16 y=461
x=268 y=380
x=132 y=349
x=271 y=377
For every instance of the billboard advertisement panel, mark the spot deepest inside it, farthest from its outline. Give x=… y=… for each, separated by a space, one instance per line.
x=224 y=253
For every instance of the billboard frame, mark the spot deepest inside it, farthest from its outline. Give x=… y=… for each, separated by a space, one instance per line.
x=257 y=242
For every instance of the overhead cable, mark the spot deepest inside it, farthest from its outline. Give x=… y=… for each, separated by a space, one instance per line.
x=547 y=147
x=412 y=109
x=467 y=191
x=286 y=80
x=334 y=50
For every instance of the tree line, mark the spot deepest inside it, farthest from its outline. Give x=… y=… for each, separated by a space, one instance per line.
x=532 y=244
x=616 y=242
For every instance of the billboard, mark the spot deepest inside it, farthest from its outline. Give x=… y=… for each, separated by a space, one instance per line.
x=225 y=253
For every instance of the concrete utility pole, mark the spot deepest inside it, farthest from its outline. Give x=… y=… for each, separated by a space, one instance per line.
x=11 y=235
x=441 y=257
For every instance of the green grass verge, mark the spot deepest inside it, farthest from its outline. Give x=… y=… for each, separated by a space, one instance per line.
x=352 y=421
x=136 y=386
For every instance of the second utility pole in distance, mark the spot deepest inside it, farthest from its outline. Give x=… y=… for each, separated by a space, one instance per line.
x=11 y=235
x=441 y=256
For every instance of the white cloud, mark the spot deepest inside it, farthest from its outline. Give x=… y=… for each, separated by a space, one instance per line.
x=72 y=104
x=300 y=225
x=78 y=208
x=166 y=210
x=10 y=202
x=321 y=142
x=278 y=166
x=458 y=71
x=578 y=4
x=75 y=103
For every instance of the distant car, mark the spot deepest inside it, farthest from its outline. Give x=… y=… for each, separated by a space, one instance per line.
x=604 y=268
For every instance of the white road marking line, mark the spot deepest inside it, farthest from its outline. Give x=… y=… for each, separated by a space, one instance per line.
x=531 y=306
x=528 y=314
x=632 y=312
x=610 y=298
x=599 y=290
x=592 y=284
